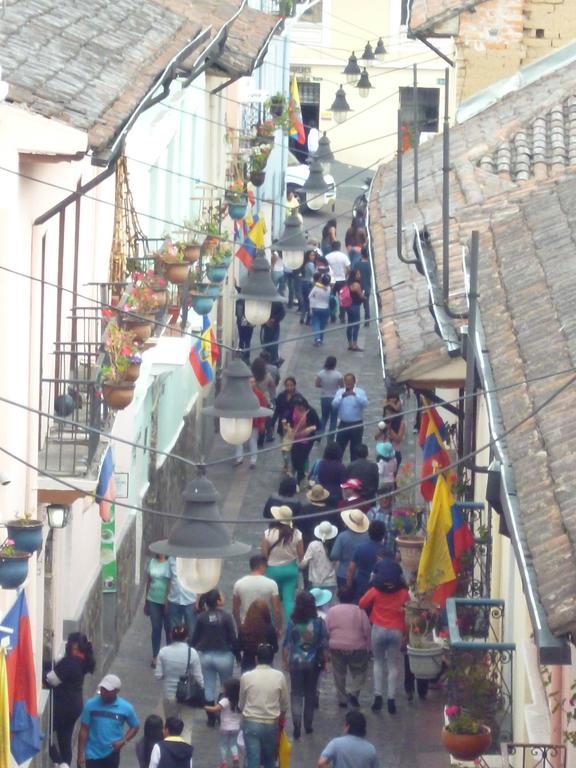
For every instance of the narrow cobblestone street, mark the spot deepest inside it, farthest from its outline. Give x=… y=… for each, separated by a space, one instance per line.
x=409 y=739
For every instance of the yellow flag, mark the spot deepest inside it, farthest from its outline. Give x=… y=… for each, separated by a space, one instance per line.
x=4 y=714
x=436 y=566
x=256 y=234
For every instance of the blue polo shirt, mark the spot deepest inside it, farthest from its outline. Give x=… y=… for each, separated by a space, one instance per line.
x=106 y=723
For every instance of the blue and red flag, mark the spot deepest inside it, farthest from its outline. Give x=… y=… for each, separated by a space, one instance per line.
x=296 y=130
x=253 y=242
x=24 y=723
x=204 y=354
x=106 y=488
x=432 y=438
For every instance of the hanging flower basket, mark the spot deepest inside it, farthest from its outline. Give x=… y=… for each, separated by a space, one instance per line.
x=410 y=548
x=139 y=326
x=216 y=273
x=211 y=242
x=237 y=203
x=26 y=534
x=426 y=661
x=201 y=303
x=191 y=252
x=118 y=396
x=161 y=296
x=133 y=371
x=176 y=271
x=277 y=105
x=467 y=746
x=13 y=569
x=257 y=178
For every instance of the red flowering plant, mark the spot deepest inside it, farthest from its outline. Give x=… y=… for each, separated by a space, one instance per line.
x=266 y=128
x=150 y=280
x=121 y=350
x=460 y=721
x=141 y=300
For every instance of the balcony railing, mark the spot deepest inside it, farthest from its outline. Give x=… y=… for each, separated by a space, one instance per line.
x=533 y=755
x=475 y=575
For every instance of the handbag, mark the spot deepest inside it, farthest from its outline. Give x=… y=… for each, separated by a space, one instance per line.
x=188 y=689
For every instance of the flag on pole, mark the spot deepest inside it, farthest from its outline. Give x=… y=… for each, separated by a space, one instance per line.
x=296 y=131
x=204 y=354
x=254 y=241
x=4 y=713
x=448 y=537
x=24 y=723
x=106 y=488
x=432 y=439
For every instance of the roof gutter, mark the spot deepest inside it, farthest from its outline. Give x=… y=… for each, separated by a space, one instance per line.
x=375 y=292
x=551 y=649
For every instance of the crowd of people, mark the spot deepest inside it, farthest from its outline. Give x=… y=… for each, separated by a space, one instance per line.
x=325 y=594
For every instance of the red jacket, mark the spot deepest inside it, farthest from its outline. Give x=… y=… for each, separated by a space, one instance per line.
x=260 y=422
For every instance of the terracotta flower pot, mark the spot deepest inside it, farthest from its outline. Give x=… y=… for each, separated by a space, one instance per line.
x=192 y=252
x=467 y=746
x=160 y=296
x=210 y=243
x=410 y=550
x=118 y=396
x=132 y=372
x=176 y=271
x=141 y=328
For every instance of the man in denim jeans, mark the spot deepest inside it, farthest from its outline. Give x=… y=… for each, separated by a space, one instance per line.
x=263 y=702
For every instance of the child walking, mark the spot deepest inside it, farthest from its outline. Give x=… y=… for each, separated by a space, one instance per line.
x=286 y=447
x=227 y=708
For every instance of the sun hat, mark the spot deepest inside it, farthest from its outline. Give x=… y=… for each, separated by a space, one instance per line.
x=386 y=450
x=110 y=683
x=355 y=519
x=325 y=531
x=321 y=596
x=317 y=493
x=353 y=482
x=283 y=514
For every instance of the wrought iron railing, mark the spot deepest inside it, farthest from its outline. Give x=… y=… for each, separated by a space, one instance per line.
x=533 y=755
x=480 y=676
x=475 y=575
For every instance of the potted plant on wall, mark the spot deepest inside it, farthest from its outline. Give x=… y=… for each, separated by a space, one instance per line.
x=118 y=392
x=13 y=565
x=202 y=295
x=25 y=533
x=236 y=198
x=257 y=164
x=265 y=132
x=407 y=520
x=175 y=260
x=217 y=266
x=155 y=282
x=425 y=655
x=210 y=224
x=276 y=104
x=138 y=313
x=463 y=736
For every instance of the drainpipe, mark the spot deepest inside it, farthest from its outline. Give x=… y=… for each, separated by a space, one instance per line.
x=556 y=713
x=470 y=355
x=415 y=129
x=399 y=196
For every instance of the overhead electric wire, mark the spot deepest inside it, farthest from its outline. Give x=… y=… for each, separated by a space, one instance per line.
x=312 y=516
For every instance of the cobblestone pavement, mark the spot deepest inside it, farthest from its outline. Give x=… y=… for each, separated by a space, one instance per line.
x=411 y=738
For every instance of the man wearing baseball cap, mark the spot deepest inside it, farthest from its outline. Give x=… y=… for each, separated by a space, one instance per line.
x=103 y=722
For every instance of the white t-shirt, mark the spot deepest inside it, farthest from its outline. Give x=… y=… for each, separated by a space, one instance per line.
x=229 y=721
x=282 y=554
x=339 y=263
x=253 y=587
x=319 y=297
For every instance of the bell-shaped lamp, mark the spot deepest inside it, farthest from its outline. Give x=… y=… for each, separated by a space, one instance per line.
x=324 y=152
x=368 y=54
x=352 y=69
x=380 y=49
x=340 y=106
x=293 y=243
x=199 y=540
x=364 y=85
x=236 y=405
x=258 y=292
x=315 y=186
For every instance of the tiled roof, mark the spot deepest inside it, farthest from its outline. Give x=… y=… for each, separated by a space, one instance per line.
x=246 y=36
x=425 y=14
x=89 y=63
x=527 y=287
x=544 y=147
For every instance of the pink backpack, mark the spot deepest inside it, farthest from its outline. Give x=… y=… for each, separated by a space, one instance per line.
x=345 y=297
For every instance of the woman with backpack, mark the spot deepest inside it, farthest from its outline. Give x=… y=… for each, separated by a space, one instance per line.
x=305 y=650
x=351 y=298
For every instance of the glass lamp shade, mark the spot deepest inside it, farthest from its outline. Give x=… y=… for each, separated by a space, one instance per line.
x=340 y=106
x=235 y=431
x=257 y=311
x=339 y=117
x=293 y=259
x=198 y=575
x=364 y=85
x=57 y=516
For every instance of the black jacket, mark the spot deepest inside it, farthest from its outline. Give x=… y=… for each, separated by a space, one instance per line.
x=175 y=754
x=366 y=471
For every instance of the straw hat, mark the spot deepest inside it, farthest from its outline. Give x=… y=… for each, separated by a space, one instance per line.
x=283 y=514
x=317 y=493
x=355 y=520
x=325 y=531
x=321 y=596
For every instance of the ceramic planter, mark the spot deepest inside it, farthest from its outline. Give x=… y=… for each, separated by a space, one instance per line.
x=161 y=296
x=257 y=178
x=410 y=550
x=216 y=273
x=237 y=203
x=118 y=396
x=276 y=107
x=140 y=327
x=426 y=661
x=192 y=252
x=210 y=243
x=13 y=569
x=176 y=271
x=201 y=303
x=27 y=537
x=132 y=372
x=467 y=746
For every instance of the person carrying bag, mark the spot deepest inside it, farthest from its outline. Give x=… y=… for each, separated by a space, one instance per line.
x=188 y=690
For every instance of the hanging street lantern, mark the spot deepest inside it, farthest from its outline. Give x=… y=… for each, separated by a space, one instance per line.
x=236 y=404
x=340 y=106
x=324 y=152
x=57 y=515
x=380 y=49
x=352 y=69
x=364 y=85
x=368 y=54
x=258 y=291
x=199 y=540
x=315 y=186
x=293 y=243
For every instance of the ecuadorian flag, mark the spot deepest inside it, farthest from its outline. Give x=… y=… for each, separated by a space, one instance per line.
x=296 y=131
x=204 y=354
x=254 y=241
x=432 y=438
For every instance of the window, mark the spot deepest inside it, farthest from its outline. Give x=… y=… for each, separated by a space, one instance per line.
x=428 y=103
x=313 y=15
x=309 y=92
x=405 y=6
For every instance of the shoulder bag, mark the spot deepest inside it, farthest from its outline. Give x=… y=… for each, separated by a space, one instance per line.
x=188 y=689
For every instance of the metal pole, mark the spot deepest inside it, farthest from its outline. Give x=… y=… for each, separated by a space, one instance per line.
x=415 y=130
x=469 y=409
x=399 y=189
x=446 y=193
